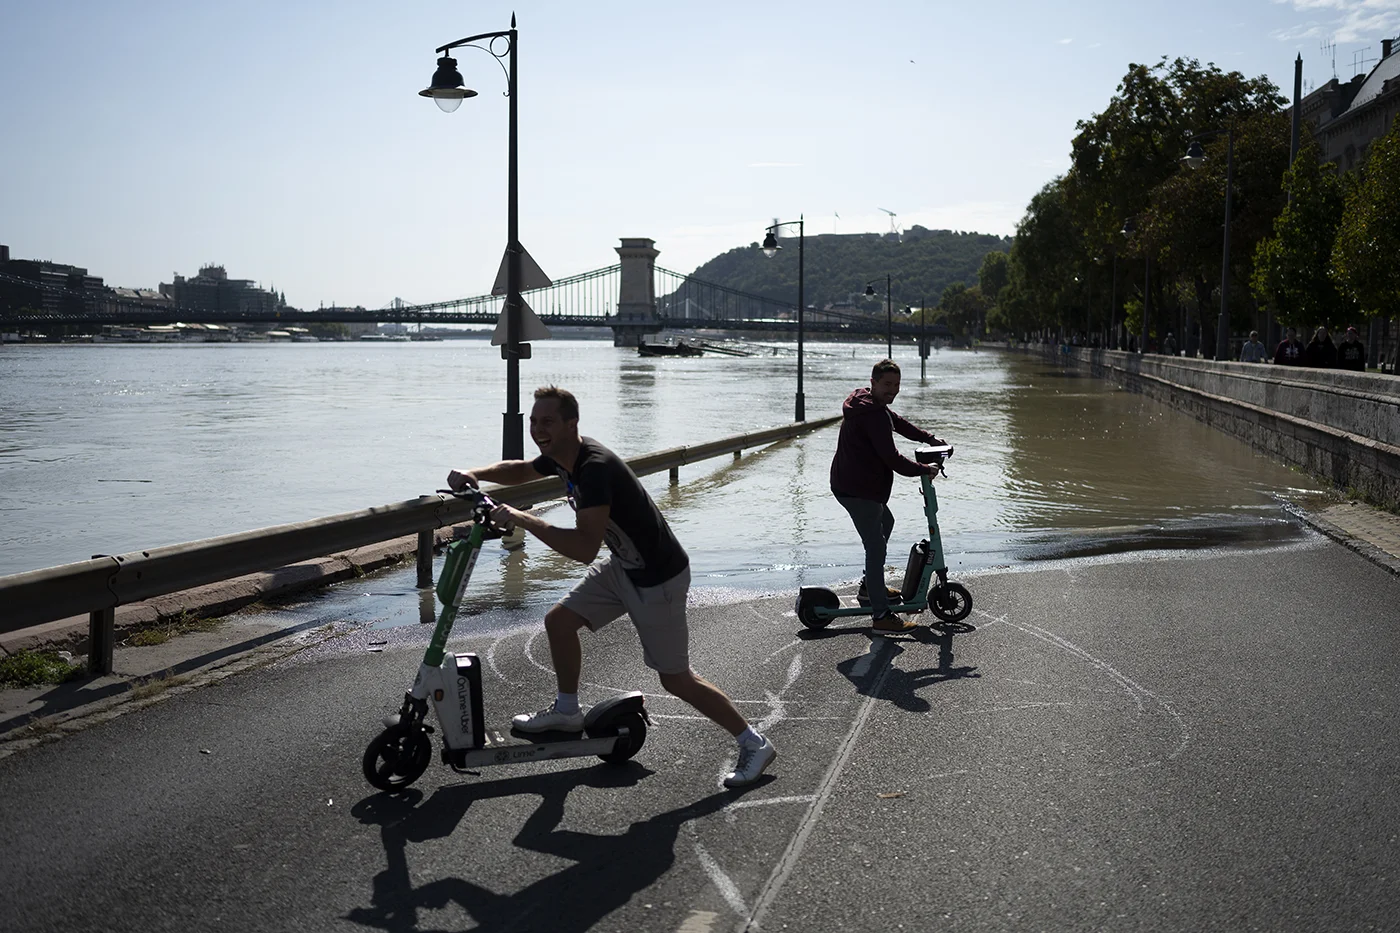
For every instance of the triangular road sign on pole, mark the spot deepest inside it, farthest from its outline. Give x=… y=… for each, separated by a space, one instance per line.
x=531 y=327
x=531 y=275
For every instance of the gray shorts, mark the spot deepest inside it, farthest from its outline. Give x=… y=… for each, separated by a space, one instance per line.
x=658 y=612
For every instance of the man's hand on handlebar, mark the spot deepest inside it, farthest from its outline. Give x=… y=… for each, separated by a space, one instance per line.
x=460 y=479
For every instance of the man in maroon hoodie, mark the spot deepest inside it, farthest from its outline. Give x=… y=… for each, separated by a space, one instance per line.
x=862 y=473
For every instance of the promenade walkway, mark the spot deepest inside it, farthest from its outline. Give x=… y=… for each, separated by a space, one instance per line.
x=144 y=674
x=1179 y=742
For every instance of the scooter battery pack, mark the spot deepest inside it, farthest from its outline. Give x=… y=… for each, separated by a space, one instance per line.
x=914 y=572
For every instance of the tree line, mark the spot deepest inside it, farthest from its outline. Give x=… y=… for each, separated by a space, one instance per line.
x=1129 y=213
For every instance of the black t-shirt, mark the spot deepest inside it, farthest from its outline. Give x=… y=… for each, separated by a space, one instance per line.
x=1352 y=355
x=637 y=534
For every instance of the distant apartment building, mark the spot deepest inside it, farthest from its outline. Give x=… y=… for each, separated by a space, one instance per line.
x=213 y=290
x=1345 y=118
x=46 y=286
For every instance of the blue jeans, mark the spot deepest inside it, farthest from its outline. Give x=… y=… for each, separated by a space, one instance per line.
x=874 y=521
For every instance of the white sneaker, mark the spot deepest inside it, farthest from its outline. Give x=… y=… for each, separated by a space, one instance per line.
x=753 y=759
x=549 y=720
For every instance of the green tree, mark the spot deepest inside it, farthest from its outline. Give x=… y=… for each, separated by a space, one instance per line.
x=962 y=308
x=1366 y=257
x=994 y=274
x=1186 y=213
x=1293 y=268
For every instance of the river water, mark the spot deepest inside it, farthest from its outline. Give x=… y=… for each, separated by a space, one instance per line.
x=115 y=448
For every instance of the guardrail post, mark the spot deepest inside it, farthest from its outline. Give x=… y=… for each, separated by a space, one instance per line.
x=675 y=475
x=738 y=454
x=425 y=559
x=102 y=635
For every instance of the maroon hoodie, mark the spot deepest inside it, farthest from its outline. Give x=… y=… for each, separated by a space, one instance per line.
x=866 y=459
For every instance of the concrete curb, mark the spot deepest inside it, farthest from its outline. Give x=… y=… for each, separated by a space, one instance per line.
x=217 y=599
x=1348 y=540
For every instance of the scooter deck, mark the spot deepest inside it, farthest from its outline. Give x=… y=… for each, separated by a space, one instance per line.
x=518 y=748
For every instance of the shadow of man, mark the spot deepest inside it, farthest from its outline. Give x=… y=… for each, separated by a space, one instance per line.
x=900 y=687
x=607 y=870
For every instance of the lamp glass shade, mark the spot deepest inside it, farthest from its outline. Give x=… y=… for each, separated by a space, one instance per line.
x=446 y=88
x=1195 y=155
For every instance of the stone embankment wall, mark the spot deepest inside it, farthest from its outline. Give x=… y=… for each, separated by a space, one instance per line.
x=1342 y=427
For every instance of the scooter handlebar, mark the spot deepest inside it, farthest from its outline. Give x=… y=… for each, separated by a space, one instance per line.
x=482 y=512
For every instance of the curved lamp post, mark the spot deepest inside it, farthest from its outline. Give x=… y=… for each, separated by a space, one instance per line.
x=1129 y=229
x=889 y=315
x=1195 y=157
x=448 y=92
x=770 y=249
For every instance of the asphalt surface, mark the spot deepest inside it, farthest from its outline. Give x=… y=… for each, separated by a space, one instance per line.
x=1200 y=741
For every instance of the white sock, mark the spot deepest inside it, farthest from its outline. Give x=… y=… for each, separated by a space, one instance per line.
x=566 y=703
x=749 y=737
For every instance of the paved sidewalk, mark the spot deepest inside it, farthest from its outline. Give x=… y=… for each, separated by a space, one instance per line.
x=145 y=675
x=1371 y=532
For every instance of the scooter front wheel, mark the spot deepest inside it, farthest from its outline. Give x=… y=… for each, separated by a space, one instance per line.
x=951 y=602
x=397 y=757
x=636 y=726
x=812 y=598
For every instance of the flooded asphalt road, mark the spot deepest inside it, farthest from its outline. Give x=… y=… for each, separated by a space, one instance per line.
x=1159 y=741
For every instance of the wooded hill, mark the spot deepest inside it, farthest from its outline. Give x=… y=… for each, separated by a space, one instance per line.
x=921 y=264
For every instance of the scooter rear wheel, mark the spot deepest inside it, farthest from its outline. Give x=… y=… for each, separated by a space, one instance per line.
x=397 y=757
x=951 y=602
x=810 y=599
x=636 y=727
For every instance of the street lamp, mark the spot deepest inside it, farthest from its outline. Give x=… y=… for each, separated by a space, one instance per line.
x=770 y=249
x=1195 y=157
x=447 y=92
x=889 y=315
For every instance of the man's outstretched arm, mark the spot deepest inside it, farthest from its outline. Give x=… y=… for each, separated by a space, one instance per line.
x=580 y=543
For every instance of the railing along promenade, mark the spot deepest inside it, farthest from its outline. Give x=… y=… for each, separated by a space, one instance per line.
x=98 y=586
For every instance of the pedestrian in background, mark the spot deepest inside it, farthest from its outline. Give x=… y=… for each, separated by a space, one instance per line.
x=1253 y=351
x=1289 y=351
x=1321 y=352
x=1352 y=353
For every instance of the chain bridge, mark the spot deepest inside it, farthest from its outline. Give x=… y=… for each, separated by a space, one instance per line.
x=634 y=297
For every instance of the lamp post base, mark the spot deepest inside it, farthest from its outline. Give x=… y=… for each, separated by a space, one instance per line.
x=801 y=407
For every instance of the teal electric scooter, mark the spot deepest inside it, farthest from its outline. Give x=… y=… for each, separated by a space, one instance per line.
x=950 y=602
x=614 y=730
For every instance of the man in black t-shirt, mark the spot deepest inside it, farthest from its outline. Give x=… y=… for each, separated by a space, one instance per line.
x=1351 y=353
x=645 y=576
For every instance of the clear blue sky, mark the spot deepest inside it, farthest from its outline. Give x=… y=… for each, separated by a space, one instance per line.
x=285 y=139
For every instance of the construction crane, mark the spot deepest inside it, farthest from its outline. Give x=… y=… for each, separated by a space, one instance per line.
x=894 y=227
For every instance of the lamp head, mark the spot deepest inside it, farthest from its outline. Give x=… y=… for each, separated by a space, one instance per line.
x=1129 y=227
x=1195 y=155
x=869 y=290
x=770 y=245
x=446 y=89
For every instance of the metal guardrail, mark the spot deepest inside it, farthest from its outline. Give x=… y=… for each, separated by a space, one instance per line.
x=96 y=587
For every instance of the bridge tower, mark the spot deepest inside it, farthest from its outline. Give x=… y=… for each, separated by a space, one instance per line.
x=636 y=299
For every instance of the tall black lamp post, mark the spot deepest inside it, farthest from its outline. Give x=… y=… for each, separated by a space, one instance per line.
x=770 y=249
x=1130 y=228
x=889 y=315
x=448 y=92
x=1195 y=157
